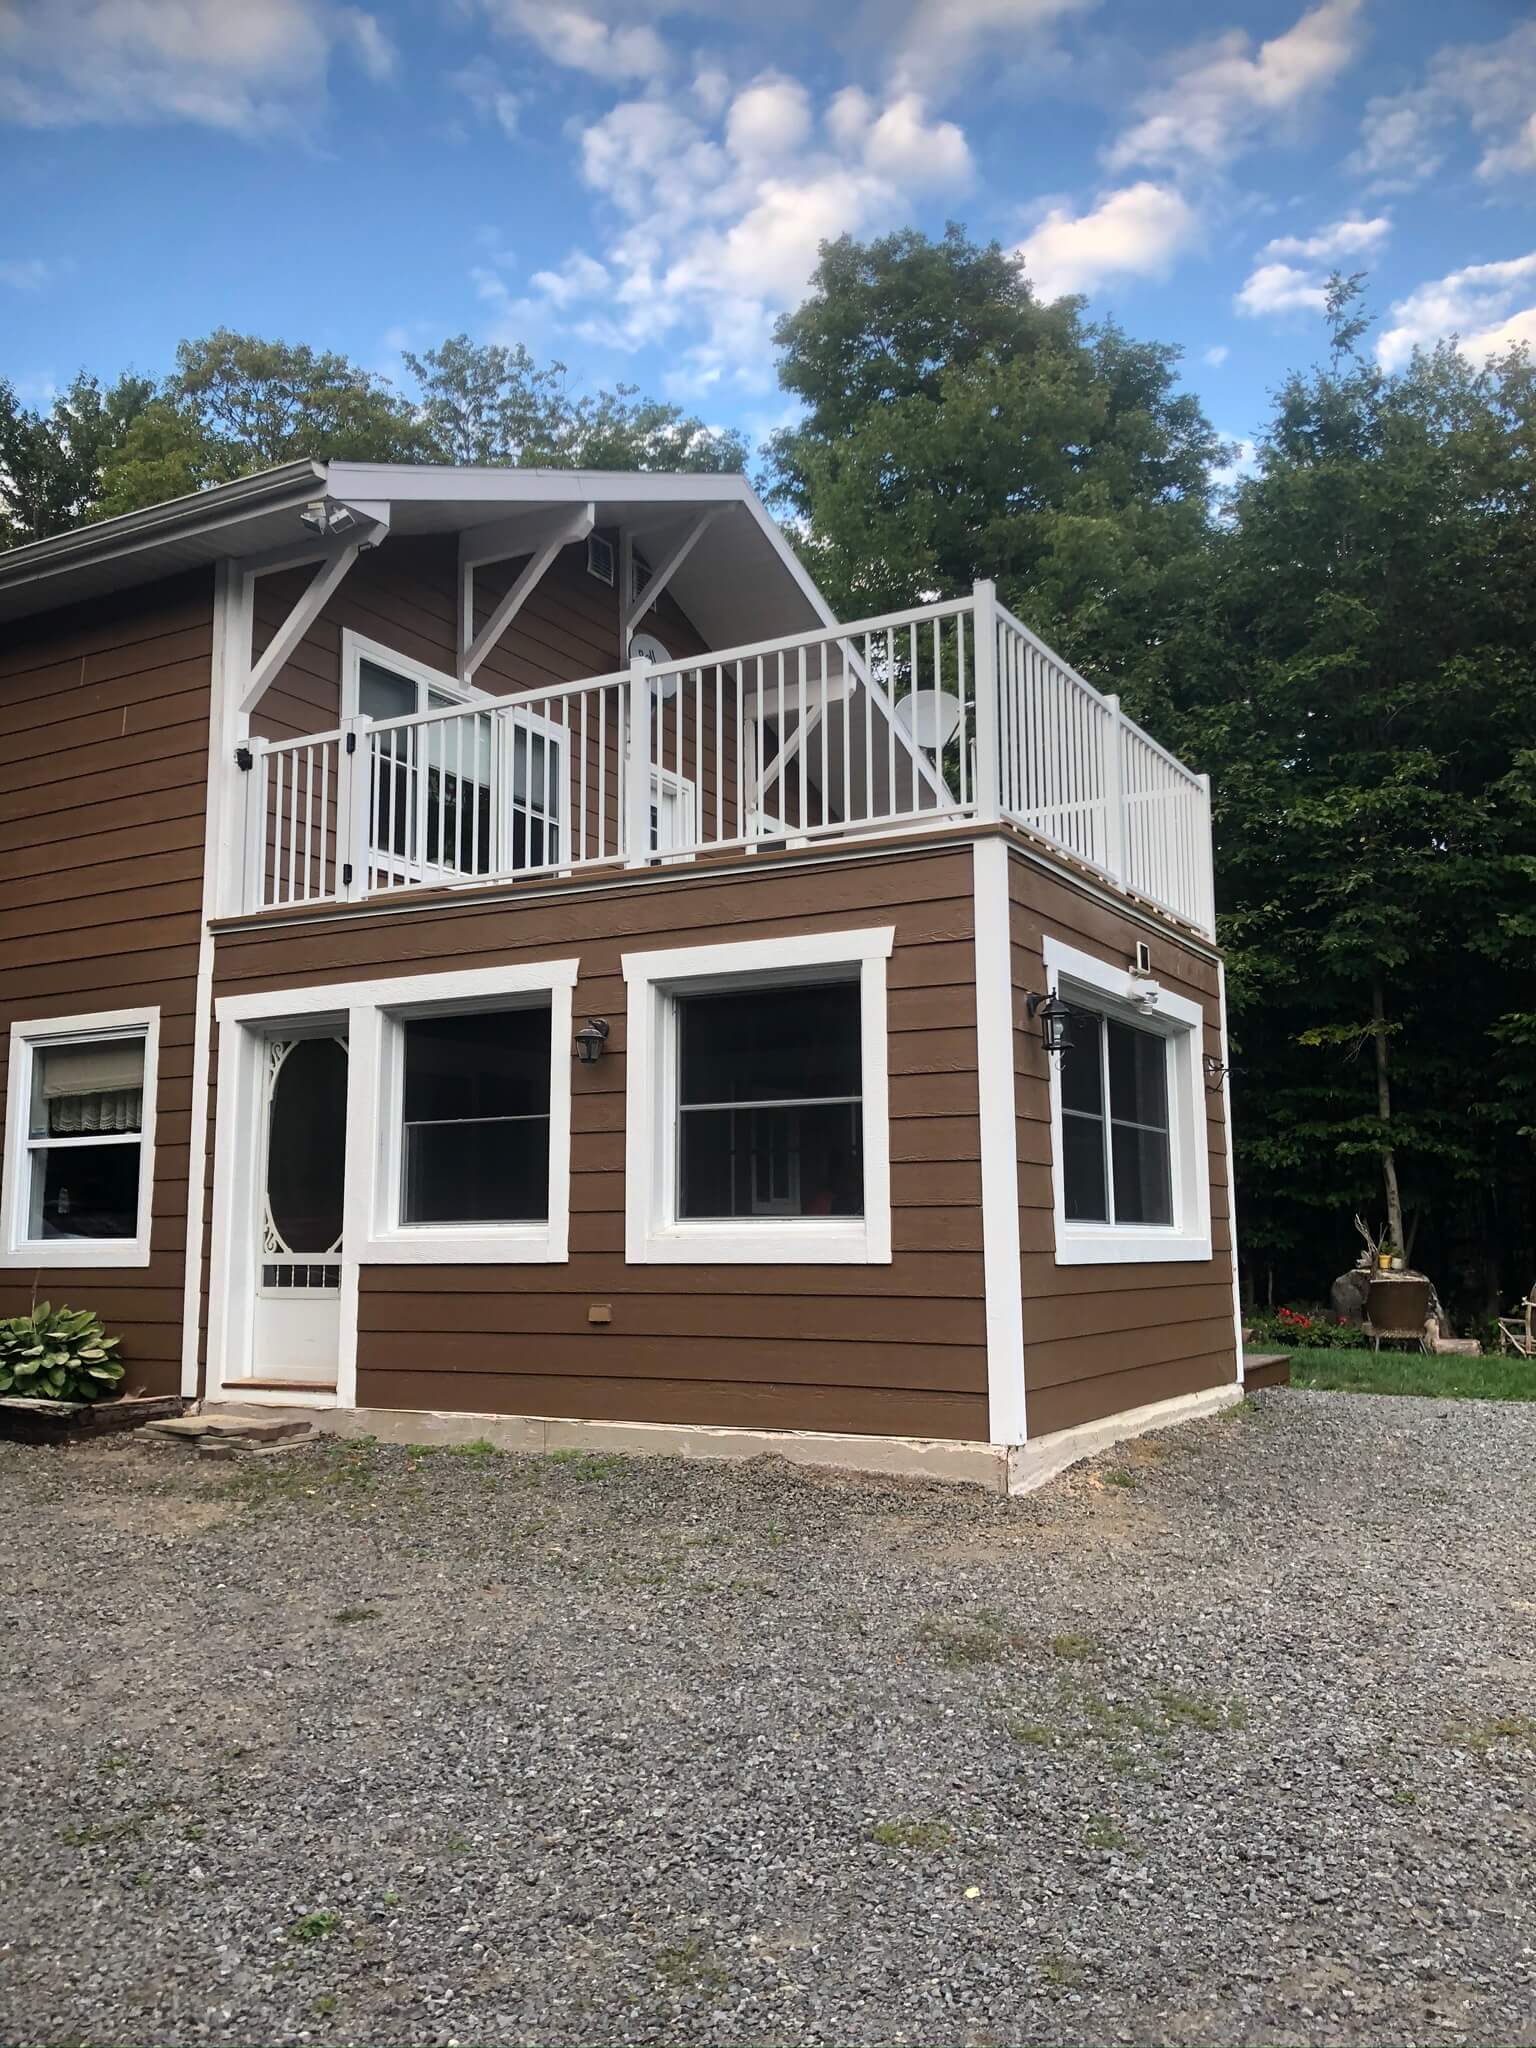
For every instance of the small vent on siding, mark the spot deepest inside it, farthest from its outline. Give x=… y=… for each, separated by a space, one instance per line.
x=600 y=558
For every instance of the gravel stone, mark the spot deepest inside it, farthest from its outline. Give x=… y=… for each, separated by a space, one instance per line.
x=1229 y=1736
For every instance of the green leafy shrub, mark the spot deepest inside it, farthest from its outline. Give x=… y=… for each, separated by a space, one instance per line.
x=58 y=1354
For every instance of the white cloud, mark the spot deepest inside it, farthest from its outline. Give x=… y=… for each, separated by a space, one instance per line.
x=1278 y=285
x=1353 y=237
x=1220 y=97
x=1280 y=288
x=252 y=68
x=1135 y=232
x=482 y=85
x=25 y=273
x=583 y=39
x=942 y=38
x=1241 y=462
x=1216 y=354
x=1481 y=305
x=1489 y=86
x=720 y=201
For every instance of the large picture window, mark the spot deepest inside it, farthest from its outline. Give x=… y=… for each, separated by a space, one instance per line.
x=758 y=1120
x=79 y=1141
x=475 y=1118
x=770 y=1102
x=1129 y=1118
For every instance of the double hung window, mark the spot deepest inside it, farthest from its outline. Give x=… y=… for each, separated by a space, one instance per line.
x=79 y=1141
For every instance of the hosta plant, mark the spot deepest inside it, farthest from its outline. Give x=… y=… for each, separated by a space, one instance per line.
x=58 y=1354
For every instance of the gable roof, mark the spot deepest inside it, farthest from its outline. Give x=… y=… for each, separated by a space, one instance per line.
x=741 y=582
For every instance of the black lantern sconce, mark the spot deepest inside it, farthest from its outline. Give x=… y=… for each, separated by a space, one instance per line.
x=1215 y=1071
x=1055 y=1018
x=590 y=1040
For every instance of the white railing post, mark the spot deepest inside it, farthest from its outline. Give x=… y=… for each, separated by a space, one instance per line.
x=637 y=768
x=1207 y=858
x=354 y=781
x=1114 y=791
x=989 y=753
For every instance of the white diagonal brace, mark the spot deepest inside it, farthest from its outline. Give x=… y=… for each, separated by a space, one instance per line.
x=577 y=527
x=307 y=608
x=635 y=608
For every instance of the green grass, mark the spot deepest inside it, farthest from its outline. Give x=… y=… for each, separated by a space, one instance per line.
x=1411 y=1372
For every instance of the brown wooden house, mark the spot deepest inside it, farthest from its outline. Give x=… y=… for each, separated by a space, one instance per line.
x=490 y=942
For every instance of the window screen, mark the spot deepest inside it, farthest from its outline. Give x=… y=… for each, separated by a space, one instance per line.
x=770 y=1102
x=475 y=1143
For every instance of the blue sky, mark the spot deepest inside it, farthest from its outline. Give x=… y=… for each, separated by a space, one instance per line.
x=639 y=186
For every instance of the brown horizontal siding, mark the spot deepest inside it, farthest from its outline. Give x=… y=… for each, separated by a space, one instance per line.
x=896 y=1349
x=1099 y=1339
x=103 y=766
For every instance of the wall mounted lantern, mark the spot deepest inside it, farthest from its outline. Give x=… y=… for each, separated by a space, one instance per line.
x=590 y=1040
x=1055 y=1018
x=1215 y=1071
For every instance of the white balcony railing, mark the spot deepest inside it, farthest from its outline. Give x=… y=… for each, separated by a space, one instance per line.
x=945 y=712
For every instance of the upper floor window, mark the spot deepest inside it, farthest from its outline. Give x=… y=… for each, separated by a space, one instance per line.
x=433 y=793
x=79 y=1148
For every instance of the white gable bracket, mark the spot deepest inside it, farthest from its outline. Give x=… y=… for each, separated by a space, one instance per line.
x=307 y=608
x=635 y=608
x=576 y=527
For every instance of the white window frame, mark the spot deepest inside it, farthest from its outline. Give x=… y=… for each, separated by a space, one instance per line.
x=654 y=1234
x=17 y=1250
x=388 y=1240
x=1116 y=993
x=356 y=648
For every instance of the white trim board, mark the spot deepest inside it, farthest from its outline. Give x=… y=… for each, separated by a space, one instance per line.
x=653 y=1235
x=996 y=1082
x=47 y=1255
x=1113 y=992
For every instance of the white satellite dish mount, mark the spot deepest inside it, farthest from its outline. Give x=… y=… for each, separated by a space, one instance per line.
x=931 y=717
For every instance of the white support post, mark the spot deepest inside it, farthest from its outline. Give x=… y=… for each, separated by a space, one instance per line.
x=637 y=788
x=577 y=527
x=1207 y=855
x=1114 y=792
x=354 y=783
x=989 y=755
x=635 y=607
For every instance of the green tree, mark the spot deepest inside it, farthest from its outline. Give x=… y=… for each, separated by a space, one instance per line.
x=1361 y=684
x=51 y=462
x=956 y=426
x=486 y=403
x=236 y=403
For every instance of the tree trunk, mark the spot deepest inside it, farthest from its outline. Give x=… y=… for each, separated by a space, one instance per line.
x=1384 y=1111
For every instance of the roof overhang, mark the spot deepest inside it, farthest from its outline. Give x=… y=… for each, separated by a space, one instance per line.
x=741 y=582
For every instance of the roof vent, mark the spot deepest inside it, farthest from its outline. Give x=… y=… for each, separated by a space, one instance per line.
x=600 y=558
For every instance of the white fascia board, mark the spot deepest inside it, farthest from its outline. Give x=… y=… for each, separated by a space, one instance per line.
x=428 y=483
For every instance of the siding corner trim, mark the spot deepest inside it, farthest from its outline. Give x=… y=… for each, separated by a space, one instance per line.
x=1007 y=1420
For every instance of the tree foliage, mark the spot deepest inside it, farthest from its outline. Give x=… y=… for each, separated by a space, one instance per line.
x=1361 y=684
x=235 y=403
x=955 y=427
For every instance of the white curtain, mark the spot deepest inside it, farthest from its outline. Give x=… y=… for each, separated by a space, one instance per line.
x=117 y=1109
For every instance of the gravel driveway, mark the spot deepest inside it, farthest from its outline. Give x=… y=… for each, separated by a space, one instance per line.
x=1225 y=1737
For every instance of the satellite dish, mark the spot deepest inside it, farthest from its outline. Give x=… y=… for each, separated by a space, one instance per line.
x=652 y=650
x=932 y=717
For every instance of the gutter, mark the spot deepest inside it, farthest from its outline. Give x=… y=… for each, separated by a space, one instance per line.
x=201 y=512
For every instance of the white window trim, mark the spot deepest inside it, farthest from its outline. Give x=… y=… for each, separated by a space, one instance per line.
x=356 y=648
x=17 y=1251
x=1112 y=991
x=653 y=1236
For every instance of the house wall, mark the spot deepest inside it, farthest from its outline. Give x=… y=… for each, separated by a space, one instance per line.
x=893 y=1349
x=103 y=792
x=1104 y=1338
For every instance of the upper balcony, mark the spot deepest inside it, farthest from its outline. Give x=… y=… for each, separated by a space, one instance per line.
x=937 y=716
